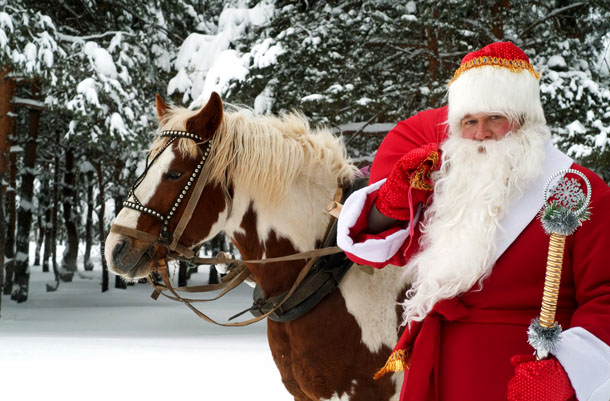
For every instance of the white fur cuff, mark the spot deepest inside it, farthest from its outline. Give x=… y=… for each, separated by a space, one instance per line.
x=373 y=250
x=586 y=360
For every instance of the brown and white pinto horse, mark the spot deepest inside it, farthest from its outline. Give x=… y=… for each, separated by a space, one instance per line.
x=268 y=182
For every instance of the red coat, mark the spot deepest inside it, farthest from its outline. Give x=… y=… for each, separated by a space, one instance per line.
x=462 y=349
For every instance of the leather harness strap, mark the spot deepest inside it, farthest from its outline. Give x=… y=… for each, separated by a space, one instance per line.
x=189 y=210
x=184 y=253
x=296 y=256
x=226 y=287
x=165 y=275
x=149 y=238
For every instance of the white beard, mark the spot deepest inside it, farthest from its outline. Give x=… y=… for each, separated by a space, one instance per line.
x=472 y=193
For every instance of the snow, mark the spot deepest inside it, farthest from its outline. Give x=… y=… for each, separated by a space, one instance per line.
x=371 y=128
x=116 y=124
x=101 y=59
x=228 y=67
x=78 y=343
x=206 y=63
x=576 y=127
x=557 y=61
x=26 y=205
x=265 y=54
x=263 y=104
x=312 y=98
x=87 y=88
x=3 y=39
x=363 y=101
x=29 y=102
x=30 y=52
x=163 y=59
x=6 y=21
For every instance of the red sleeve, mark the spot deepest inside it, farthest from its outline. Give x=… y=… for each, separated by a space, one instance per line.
x=589 y=257
x=425 y=127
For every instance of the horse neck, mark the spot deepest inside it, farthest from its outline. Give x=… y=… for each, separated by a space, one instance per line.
x=295 y=224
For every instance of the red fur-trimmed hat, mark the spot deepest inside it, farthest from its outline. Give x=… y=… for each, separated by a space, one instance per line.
x=499 y=78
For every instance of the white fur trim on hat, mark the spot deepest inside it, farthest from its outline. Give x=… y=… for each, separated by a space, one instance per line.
x=493 y=89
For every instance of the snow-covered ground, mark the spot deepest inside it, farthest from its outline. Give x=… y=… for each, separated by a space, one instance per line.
x=80 y=344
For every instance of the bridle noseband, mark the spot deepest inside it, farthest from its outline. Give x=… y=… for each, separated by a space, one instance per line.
x=165 y=236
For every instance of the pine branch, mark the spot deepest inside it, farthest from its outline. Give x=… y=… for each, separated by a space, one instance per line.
x=552 y=14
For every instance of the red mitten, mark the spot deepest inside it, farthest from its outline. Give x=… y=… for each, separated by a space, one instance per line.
x=543 y=380
x=409 y=182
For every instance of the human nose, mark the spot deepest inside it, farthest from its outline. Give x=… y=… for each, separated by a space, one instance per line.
x=482 y=132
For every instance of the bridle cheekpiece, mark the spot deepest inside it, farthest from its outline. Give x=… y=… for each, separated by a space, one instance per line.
x=165 y=236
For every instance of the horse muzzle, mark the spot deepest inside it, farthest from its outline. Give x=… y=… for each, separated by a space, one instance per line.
x=128 y=257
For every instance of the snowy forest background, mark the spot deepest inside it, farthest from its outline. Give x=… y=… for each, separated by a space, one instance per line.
x=78 y=80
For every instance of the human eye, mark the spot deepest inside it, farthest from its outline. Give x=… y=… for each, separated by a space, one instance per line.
x=496 y=117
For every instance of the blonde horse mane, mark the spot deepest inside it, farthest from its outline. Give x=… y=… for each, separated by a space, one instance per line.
x=267 y=154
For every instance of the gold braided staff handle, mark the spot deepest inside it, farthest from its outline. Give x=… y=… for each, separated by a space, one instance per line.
x=560 y=218
x=552 y=280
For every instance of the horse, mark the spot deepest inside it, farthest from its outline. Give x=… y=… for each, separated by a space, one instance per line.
x=267 y=182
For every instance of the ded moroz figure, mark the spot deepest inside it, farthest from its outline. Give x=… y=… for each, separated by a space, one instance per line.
x=454 y=197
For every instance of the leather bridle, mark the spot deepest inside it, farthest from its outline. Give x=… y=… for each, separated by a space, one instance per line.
x=196 y=180
x=171 y=239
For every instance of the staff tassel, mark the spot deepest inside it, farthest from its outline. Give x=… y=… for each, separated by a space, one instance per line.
x=567 y=209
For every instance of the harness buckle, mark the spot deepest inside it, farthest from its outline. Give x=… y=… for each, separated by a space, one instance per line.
x=165 y=237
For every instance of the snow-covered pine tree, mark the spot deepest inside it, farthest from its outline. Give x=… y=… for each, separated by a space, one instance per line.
x=343 y=61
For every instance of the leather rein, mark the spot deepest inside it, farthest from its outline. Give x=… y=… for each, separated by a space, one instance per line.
x=180 y=252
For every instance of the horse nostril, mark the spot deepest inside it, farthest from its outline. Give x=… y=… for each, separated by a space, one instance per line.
x=119 y=249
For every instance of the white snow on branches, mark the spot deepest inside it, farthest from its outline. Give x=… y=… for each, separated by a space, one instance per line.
x=101 y=59
x=205 y=63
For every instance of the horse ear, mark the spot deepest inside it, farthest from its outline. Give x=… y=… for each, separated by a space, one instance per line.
x=207 y=121
x=161 y=107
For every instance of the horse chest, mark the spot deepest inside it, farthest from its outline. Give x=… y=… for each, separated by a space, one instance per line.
x=321 y=356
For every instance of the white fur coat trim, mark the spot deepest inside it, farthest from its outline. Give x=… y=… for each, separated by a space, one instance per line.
x=373 y=250
x=586 y=360
x=522 y=211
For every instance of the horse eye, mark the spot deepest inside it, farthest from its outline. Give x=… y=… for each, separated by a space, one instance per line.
x=173 y=175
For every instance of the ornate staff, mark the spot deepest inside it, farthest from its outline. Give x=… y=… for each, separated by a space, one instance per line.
x=566 y=211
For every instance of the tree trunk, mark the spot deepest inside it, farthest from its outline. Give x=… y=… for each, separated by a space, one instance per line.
x=218 y=244
x=100 y=224
x=44 y=217
x=9 y=248
x=53 y=217
x=55 y=210
x=118 y=204
x=498 y=11
x=68 y=265
x=7 y=91
x=48 y=243
x=2 y=236
x=26 y=207
x=432 y=45
x=39 y=237
x=182 y=269
x=87 y=265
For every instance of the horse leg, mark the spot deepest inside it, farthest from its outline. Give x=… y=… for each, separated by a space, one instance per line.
x=294 y=389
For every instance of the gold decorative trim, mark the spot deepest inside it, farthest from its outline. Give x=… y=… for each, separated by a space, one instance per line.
x=513 y=65
x=397 y=362
x=421 y=176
